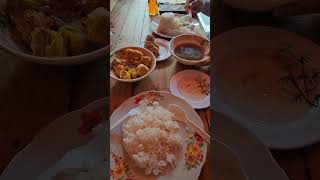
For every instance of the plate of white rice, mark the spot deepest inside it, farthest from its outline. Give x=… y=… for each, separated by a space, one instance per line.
x=151 y=144
x=170 y=25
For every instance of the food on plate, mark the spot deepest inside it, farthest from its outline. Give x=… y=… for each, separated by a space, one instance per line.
x=130 y=64
x=172 y=25
x=96 y=24
x=133 y=56
x=146 y=60
x=142 y=69
x=152 y=139
x=150 y=44
x=54 y=28
x=45 y=42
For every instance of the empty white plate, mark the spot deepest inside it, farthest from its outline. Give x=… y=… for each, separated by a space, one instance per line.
x=192 y=86
x=249 y=69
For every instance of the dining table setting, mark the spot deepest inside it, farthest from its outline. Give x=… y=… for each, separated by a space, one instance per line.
x=165 y=79
x=147 y=98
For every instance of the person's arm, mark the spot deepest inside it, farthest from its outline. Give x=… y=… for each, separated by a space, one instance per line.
x=198 y=6
x=206 y=7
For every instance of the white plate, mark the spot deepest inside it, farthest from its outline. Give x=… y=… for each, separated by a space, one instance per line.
x=164 y=98
x=89 y=160
x=227 y=164
x=256 y=160
x=274 y=118
x=155 y=24
x=164 y=49
x=254 y=5
x=179 y=87
x=52 y=143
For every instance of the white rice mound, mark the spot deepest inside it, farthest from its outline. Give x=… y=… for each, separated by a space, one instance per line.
x=169 y=22
x=152 y=139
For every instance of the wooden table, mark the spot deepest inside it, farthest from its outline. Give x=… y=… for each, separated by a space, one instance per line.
x=33 y=95
x=299 y=164
x=130 y=23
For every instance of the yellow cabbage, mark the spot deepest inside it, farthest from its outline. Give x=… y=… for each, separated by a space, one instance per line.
x=76 y=41
x=97 y=23
x=45 y=42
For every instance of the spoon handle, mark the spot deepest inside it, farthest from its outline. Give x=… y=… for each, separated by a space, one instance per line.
x=114 y=125
x=200 y=131
x=180 y=115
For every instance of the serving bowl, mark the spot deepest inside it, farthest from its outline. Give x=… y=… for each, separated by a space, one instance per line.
x=193 y=39
x=10 y=46
x=145 y=51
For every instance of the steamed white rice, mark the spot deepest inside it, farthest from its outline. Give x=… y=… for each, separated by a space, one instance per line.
x=152 y=139
x=169 y=22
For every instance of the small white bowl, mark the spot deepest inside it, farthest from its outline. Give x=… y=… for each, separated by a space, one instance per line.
x=190 y=39
x=145 y=52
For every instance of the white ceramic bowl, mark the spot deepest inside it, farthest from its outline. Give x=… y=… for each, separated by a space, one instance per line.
x=145 y=52
x=10 y=46
x=190 y=39
x=257 y=5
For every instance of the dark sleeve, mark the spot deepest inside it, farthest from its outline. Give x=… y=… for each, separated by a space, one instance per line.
x=206 y=7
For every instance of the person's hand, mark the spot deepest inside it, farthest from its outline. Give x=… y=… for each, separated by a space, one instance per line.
x=194 y=6
x=297 y=8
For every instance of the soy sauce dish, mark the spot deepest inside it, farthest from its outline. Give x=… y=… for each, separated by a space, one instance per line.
x=190 y=49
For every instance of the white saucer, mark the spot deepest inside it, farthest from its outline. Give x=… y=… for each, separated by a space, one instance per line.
x=179 y=87
x=164 y=49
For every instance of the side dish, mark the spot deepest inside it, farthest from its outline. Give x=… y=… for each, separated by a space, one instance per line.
x=130 y=64
x=150 y=44
x=53 y=28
